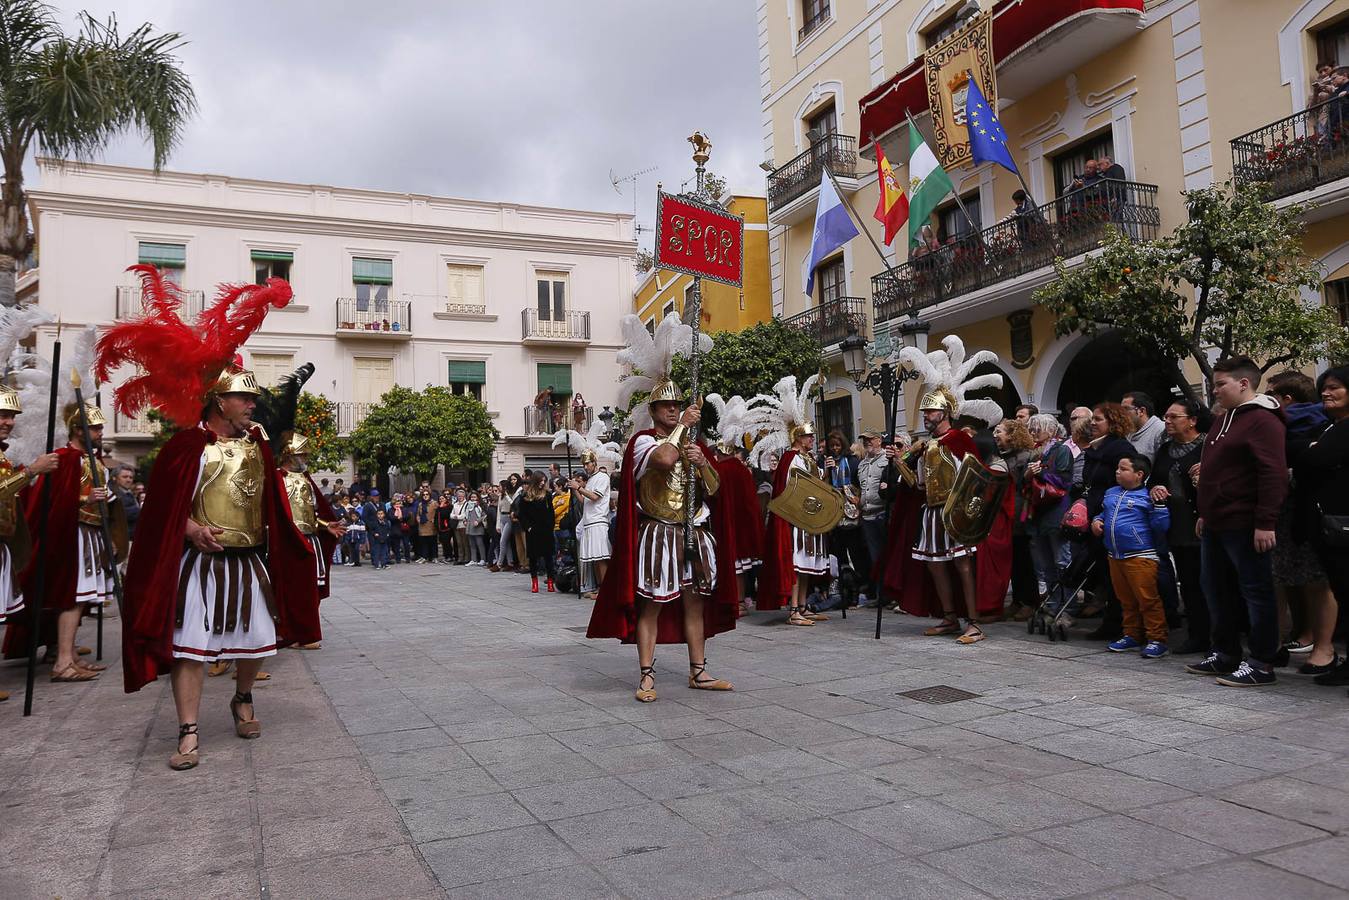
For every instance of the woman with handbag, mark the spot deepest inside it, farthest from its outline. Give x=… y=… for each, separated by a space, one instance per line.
x=1321 y=472
x=1049 y=476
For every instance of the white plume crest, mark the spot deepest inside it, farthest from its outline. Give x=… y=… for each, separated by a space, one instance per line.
x=607 y=452
x=950 y=368
x=34 y=381
x=773 y=416
x=17 y=323
x=648 y=358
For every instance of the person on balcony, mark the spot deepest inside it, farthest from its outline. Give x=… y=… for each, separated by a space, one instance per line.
x=578 y=412
x=543 y=410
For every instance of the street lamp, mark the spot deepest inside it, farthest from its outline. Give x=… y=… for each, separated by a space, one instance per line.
x=606 y=416
x=886 y=380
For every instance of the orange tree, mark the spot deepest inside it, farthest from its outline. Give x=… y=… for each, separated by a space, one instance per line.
x=316 y=419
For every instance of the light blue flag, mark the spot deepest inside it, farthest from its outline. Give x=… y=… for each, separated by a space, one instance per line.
x=833 y=228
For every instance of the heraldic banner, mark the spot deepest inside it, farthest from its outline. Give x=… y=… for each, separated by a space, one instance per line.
x=947 y=65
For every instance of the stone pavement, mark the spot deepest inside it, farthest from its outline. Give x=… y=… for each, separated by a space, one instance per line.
x=458 y=736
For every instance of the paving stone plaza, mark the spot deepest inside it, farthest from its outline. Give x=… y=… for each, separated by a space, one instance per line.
x=458 y=736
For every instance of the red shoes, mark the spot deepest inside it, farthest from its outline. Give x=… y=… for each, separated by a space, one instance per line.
x=533 y=584
x=551 y=589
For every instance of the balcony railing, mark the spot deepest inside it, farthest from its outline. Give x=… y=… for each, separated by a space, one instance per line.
x=133 y=426
x=130 y=303
x=837 y=151
x=349 y=415
x=832 y=321
x=383 y=318
x=540 y=420
x=1303 y=151
x=821 y=16
x=573 y=325
x=1063 y=228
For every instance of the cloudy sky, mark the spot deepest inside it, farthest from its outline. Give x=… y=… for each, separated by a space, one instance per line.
x=532 y=101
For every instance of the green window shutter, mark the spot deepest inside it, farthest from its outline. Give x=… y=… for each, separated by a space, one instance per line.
x=558 y=375
x=470 y=371
x=272 y=255
x=166 y=256
x=371 y=271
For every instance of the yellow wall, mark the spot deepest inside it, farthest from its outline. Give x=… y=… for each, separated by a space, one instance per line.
x=725 y=308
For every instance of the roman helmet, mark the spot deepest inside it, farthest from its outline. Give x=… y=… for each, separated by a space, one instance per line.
x=940 y=399
x=649 y=357
x=93 y=414
x=9 y=400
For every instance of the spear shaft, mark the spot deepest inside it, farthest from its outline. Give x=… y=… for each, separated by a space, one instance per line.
x=44 y=507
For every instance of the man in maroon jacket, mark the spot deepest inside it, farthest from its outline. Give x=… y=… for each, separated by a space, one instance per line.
x=1242 y=483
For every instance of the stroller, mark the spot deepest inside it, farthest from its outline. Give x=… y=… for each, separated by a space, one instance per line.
x=1048 y=619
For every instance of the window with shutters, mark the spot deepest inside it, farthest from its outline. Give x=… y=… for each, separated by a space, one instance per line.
x=270 y=368
x=467 y=376
x=271 y=264
x=1337 y=298
x=465 y=290
x=171 y=259
x=951 y=222
x=552 y=296
x=829 y=278
x=822 y=123
x=372 y=280
x=557 y=376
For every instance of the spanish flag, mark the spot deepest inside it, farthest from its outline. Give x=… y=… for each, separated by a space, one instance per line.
x=892 y=208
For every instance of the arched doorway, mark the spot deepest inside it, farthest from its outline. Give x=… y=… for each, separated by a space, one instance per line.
x=1106 y=368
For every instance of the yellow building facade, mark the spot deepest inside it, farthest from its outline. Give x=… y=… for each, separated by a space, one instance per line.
x=725 y=308
x=1180 y=93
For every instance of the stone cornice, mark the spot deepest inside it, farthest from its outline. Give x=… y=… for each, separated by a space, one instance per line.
x=114 y=208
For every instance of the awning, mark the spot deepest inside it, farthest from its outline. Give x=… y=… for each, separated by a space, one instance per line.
x=272 y=256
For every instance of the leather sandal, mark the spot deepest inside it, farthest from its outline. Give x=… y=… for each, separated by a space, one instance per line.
x=972 y=637
x=261 y=676
x=947 y=626
x=180 y=761
x=90 y=667
x=73 y=672
x=814 y=616
x=795 y=617
x=700 y=680
x=219 y=667
x=644 y=695
x=83 y=650
x=245 y=728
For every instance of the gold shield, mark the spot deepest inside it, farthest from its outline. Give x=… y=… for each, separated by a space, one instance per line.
x=808 y=503
x=974 y=501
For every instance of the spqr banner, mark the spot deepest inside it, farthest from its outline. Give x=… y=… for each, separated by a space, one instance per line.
x=699 y=239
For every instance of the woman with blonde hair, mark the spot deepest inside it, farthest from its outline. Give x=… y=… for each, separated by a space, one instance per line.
x=1015 y=452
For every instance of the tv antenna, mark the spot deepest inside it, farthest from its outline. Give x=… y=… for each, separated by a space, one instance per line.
x=616 y=181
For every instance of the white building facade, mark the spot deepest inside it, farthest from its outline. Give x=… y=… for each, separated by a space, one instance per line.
x=498 y=300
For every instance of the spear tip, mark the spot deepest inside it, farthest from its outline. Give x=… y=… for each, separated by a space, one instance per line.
x=75 y=378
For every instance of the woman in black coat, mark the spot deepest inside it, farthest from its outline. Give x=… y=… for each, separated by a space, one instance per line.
x=1112 y=425
x=1322 y=471
x=535 y=512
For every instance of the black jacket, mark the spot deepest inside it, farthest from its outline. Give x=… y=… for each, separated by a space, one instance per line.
x=1183 y=504
x=1320 y=471
x=1098 y=472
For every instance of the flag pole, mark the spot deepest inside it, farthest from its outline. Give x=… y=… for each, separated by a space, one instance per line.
x=955 y=194
x=44 y=507
x=857 y=220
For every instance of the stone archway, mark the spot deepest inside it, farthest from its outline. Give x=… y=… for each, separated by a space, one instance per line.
x=1103 y=369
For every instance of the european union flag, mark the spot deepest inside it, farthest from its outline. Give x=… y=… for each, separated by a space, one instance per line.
x=988 y=142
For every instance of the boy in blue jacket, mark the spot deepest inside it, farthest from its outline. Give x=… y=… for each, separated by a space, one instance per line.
x=1132 y=527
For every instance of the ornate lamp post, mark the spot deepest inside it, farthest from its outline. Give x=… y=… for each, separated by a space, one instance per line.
x=606 y=416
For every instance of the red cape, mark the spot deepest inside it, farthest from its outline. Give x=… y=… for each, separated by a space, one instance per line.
x=777 y=575
x=615 y=612
x=324 y=510
x=910 y=583
x=740 y=526
x=151 y=587
x=53 y=550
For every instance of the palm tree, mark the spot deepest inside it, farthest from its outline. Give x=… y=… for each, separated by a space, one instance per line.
x=73 y=94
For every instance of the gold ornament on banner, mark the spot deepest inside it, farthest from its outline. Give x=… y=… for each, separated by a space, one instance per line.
x=947 y=66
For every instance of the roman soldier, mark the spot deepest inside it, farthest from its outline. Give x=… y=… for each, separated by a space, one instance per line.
x=14 y=538
x=219 y=570
x=72 y=551
x=313 y=515
x=594 y=487
x=652 y=571
x=935 y=573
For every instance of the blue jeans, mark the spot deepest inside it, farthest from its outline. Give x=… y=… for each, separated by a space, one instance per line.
x=1224 y=554
x=379 y=553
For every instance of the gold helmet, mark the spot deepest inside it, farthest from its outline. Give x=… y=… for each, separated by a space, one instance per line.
x=588 y=457
x=240 y=381
x=296 y=445
x=801 y=431
x=9 y=400
x=941 y=399
x=664 y=390
x=91 y=412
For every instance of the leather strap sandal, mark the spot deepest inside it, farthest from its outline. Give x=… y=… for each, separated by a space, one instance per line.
x=700 y=680
x=972 y=637
x=245 y=728
x=796 y=617
x=90 y=667
x=814 y=616
x=645 y=695
x=185 y=760
x=73 y=672
x=947 y=626
x=219 y=667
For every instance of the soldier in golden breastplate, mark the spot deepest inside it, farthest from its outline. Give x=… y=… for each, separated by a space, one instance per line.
x=313 y=516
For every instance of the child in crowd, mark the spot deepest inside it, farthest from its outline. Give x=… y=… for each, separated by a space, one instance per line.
x=354 y=539
x=1132 y=526
x=378 y=534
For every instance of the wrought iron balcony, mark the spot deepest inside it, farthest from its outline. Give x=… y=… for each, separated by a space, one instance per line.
x=547 y=420
x=349 y=415
x=374 y=318
x=832 y=321
x=1063 y=228
x=130 y=303
x=133 y=427
x=572 y=327
x=1295 y=154
x=786 y=183
x=821 y=16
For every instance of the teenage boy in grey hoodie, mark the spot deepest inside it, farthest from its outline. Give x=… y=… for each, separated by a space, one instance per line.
x=1243 y=477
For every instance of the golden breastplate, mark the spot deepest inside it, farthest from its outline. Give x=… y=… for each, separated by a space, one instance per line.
x=89 y=508
x=229 y=494
x=939 y=473
x=301 y=495
x=11 y=482
x=660 y=495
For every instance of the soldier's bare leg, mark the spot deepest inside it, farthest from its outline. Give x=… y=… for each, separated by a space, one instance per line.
x=648 y=617
x=186 y=678
x=942 y=582
x=67 y=623
x=696 y=637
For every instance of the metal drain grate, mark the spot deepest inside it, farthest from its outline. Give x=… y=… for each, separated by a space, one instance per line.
x=941 y=693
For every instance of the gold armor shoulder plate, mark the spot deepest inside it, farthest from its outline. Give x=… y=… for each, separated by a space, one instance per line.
x=88 y=508
x=301 y=495
x=660 y=495
x=939 y=472
x=229 y=492
x=11 y=482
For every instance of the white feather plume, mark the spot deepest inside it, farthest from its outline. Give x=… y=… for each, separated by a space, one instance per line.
x=34 y=383
x=17 y=323
x=648 y=358
x=607 y=453
x=950 y=368
x=773 y=416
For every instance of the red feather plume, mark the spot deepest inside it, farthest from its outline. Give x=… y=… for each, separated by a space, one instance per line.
x=180 y=363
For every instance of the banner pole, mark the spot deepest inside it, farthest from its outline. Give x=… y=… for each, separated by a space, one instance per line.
x=44 y=507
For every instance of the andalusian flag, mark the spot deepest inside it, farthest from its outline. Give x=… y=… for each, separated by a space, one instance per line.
x=928 y=184
x=892 y=208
